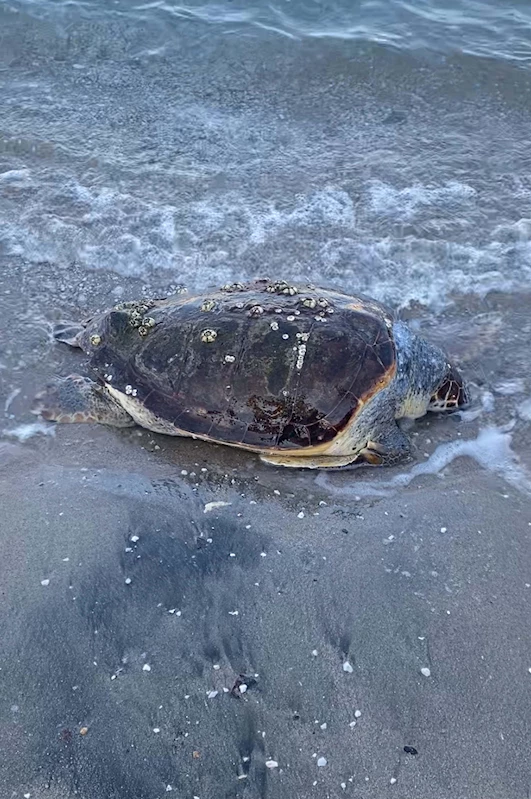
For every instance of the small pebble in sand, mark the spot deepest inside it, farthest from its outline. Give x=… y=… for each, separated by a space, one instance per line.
x=212 y=694
x=128 y=581
x=45 y=582
x=156 y=730
x=271 y=764
x=216 y=666
x=184 y=472
x=146 y=667
x=425 y=671
x=392 y=780
x=352 y=724
x=529 y=670
x=135 y=538
x=357 y=714
x=443 y=529
x=323 y=725
x=321 y=762
x=233 y=612
x=242 y=688
x=347 y=667
x=169 y=788
x=83 y=730
x=232 y=554
x=300 y=514
x=314 y=653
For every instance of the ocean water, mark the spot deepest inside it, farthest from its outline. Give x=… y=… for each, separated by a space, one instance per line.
x=378 y=146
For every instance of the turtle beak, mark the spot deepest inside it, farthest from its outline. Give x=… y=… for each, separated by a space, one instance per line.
x=452 y=394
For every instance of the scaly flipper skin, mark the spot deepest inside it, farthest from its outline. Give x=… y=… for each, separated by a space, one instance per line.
x=68 y=333
x=77 y=399
x=388 y=448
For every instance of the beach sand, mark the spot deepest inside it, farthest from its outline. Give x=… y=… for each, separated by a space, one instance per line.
x=133 y=611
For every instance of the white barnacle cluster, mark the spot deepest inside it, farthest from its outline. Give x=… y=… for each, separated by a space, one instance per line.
x=229 y=287
x=208 y=336
x=256 y=310
x=281 y=287
x=131 y=391
x=230 y=358
x=320 y=303
x=301 y=352
x=274 y=325
x=208 y=305
x=301 y=349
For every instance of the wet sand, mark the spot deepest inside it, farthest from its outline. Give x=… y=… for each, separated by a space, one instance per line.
x=130 y=617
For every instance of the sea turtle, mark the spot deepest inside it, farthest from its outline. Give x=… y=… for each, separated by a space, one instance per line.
x=304 y=376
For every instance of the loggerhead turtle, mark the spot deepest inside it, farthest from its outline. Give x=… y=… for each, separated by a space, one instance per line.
x=305 y=377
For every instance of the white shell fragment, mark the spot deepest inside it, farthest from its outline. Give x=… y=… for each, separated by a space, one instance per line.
x=425 y=671
x=321 y=762
x=347 y=667
x=213 y=505
x=271 y=764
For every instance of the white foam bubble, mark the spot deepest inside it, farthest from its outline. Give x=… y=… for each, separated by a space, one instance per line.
x=324 y=233
x=399 y=270
x=491 y=450
x=524 y=410
x=403 y=205
x=509 y=387
x=25 y=431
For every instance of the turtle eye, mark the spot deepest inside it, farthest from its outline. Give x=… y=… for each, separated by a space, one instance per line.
x=451 y=394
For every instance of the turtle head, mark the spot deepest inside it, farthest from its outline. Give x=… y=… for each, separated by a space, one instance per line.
x=451 y=395
x=426 y=379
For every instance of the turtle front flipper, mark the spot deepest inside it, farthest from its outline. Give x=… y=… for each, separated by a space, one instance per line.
x=386 y=448
x=78 y=399
x=68 y=333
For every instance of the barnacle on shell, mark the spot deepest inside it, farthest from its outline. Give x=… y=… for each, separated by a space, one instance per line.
x=309 y=302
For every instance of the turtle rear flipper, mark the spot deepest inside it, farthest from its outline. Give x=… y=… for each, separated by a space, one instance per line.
x=77 y=399
x=68 y=333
